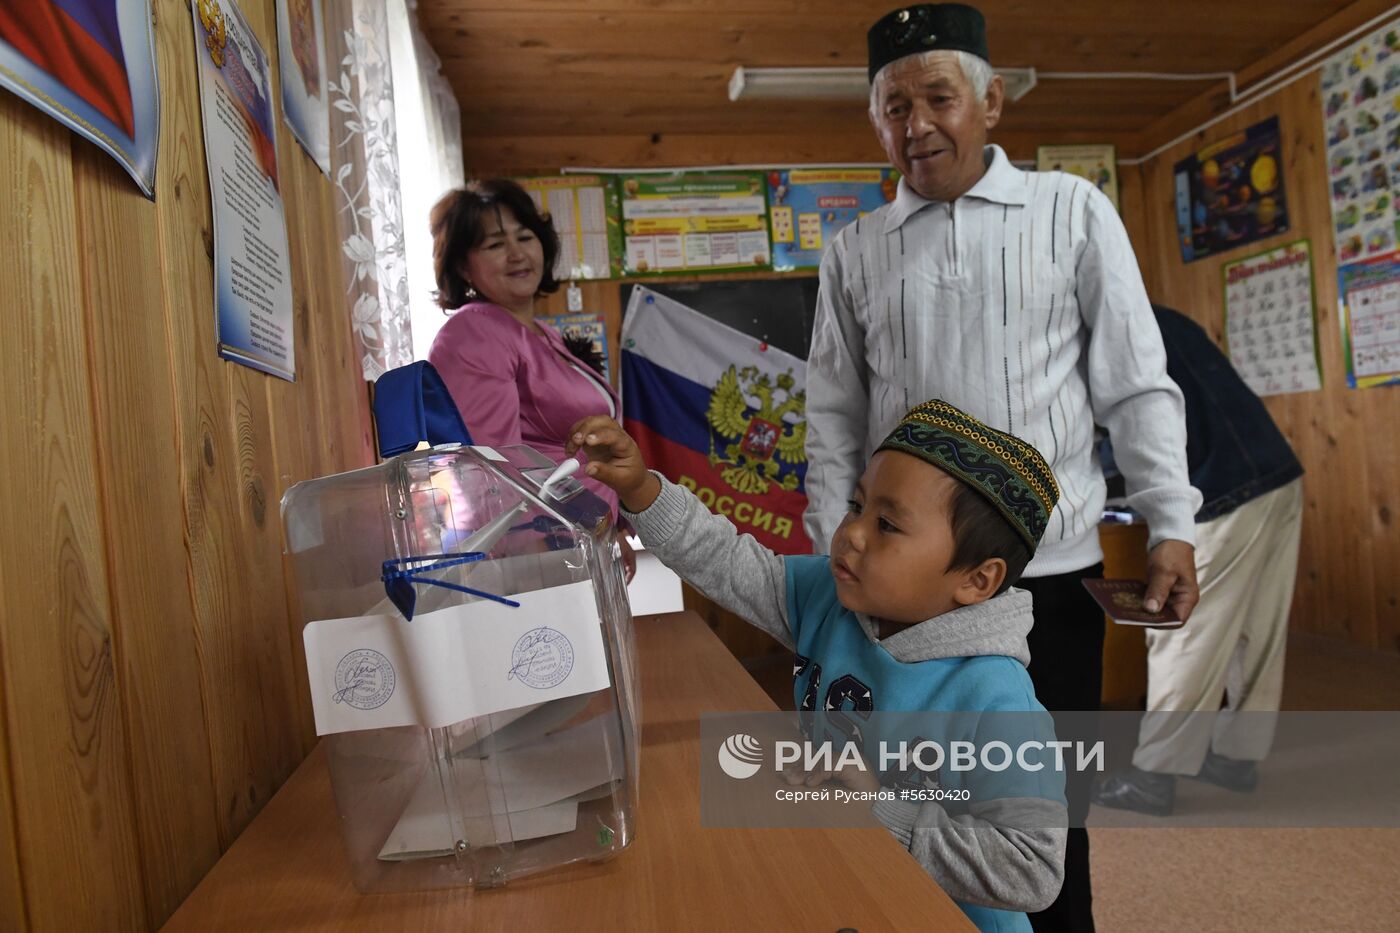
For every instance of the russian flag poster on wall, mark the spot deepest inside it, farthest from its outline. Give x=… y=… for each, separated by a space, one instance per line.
x=719 y=412
x=90 y=65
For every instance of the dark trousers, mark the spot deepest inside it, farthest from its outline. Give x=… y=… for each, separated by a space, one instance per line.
x=1066 y=645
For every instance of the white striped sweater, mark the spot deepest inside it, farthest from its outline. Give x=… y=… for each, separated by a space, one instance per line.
x=1021 y=303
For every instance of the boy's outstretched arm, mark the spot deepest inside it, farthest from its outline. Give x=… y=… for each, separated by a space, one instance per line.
x=706 y=550
x=1006 y=849
x=1007 y=854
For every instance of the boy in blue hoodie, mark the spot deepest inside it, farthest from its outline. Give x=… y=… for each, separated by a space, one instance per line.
x=913 y=611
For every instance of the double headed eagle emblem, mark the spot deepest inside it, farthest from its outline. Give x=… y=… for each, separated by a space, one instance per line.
x=763 y=424
x=215 y=30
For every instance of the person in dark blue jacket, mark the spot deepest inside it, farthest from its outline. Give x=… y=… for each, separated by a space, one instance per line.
x=1247 y=536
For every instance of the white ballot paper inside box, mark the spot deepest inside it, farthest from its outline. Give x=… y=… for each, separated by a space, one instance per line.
x=537 y=787
x=379 y=671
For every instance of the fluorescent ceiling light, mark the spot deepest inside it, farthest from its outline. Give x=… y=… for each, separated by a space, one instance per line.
x=836 y=83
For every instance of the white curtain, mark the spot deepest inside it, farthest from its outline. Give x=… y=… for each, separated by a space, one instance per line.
x=381 y=137
x=430 y=158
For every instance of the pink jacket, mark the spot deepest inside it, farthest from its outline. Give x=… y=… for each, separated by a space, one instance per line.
x=515 y=386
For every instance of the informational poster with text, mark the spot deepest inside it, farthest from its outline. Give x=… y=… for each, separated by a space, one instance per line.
x=695 y=222
x=252 y=270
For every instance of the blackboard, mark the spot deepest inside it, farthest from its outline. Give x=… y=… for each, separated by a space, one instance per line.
x=779 y=311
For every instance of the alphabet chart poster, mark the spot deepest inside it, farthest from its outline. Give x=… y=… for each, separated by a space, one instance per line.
x=1270 y=321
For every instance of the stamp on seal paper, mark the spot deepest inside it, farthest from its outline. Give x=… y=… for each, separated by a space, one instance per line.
x=542 y=658
x=364 y=679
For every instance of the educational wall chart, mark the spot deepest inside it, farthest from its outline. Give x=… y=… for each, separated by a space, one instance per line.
x=90 y=65
x=1098 y=164
x=1270 y=320
x=301 y=37
x=586 y=216
x=808 y=207
x=695 y=222
x=1361 y=107
x=252 y=270
x=1231 y=192
x=1370 y=318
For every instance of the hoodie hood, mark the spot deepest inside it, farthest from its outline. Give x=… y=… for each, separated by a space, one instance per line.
x=996 y=627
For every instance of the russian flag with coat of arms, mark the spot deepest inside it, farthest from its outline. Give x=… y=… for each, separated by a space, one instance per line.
x=719 y=412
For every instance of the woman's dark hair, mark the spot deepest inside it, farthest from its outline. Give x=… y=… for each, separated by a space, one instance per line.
x=981 y=532
x=457 y=223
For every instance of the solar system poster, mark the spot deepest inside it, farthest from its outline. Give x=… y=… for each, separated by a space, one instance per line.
x=1231 y=193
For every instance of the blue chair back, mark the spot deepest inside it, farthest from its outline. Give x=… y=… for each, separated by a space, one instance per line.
x=412 y=404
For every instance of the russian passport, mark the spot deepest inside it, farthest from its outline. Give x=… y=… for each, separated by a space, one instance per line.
x=1122 y=600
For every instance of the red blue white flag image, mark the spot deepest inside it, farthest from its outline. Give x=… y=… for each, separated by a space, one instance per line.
x=90 y=65
x=720 y=413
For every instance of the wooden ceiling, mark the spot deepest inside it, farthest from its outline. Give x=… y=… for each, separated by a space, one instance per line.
x=547 y=83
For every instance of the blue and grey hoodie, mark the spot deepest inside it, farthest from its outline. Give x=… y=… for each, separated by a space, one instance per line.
x=996 y=857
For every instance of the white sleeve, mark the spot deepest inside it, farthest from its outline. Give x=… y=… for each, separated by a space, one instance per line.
x=1129 y=389
x=837 y=403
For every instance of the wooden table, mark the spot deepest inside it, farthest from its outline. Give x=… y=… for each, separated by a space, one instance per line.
x=288 y=872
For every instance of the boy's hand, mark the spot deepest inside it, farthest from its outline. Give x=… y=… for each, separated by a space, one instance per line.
x=859 y=779
x=615 y=461
x=795 y=776
x=853 y=778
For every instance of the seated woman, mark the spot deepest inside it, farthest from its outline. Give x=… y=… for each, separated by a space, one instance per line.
x=513 y=378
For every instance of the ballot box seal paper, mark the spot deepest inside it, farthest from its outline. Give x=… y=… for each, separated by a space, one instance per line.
x=364 y=679
x=381 y=670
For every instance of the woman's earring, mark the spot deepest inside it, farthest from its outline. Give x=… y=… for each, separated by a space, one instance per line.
x=471 y=290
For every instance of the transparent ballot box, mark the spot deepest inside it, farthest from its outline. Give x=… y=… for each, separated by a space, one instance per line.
x=471 y=665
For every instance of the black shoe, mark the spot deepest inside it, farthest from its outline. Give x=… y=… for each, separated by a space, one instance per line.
x=1135 y=789
x=1229 y=773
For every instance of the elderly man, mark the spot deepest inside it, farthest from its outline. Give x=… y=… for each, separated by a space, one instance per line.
x=1016 y=296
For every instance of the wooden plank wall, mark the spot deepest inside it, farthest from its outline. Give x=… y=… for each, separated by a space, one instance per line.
x=1347 y=439
x=149 y=703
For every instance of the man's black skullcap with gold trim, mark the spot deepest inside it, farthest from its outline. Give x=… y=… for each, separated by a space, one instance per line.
x=1008 y=472
x=926 y=27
